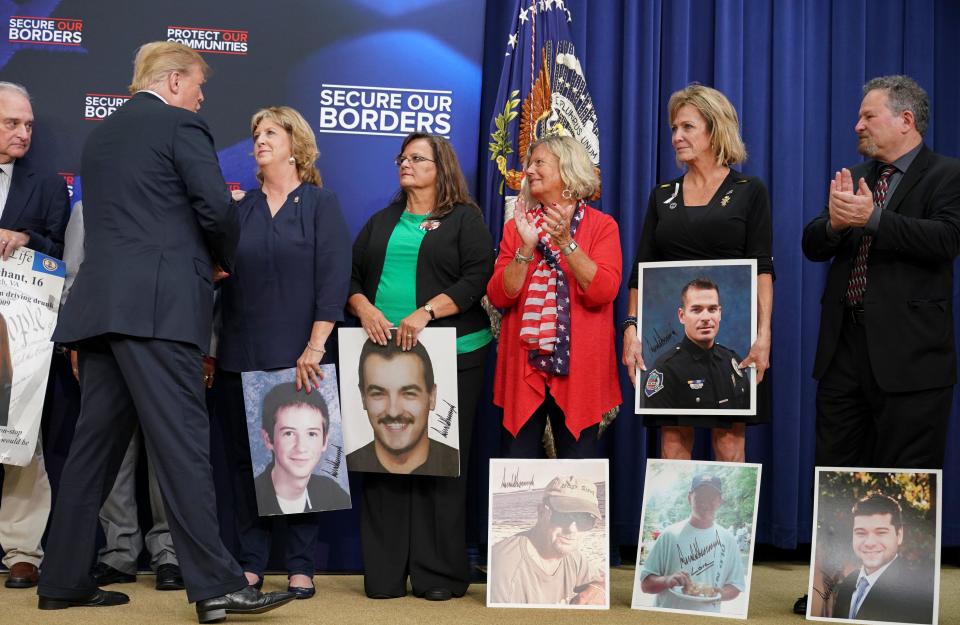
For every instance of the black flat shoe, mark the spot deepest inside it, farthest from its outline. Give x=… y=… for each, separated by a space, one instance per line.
x=104 y=575
x=301 y=592
x=169 y=577
x=800 y=606
x=101 y=598
x=247 y=600
x=438 y=594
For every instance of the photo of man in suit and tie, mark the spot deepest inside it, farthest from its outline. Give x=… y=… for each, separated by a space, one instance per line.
x=885 y=587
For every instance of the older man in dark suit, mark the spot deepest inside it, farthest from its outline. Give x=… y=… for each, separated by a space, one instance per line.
x=886 y=360
x=33 y=213
x=158 y=220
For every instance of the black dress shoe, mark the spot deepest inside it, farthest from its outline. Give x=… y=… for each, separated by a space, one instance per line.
x=438 y=594
x=247 y=600
x=169 y=577
x=104 y=575
x=301 y=592
x=100 y=598
x=800 y=606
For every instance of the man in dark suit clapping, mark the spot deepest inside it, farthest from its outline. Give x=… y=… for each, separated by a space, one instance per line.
x=158 y=220
x=886 y=360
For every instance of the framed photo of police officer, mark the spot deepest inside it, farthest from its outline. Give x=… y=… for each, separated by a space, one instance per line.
x=876 y=546
x=400 y=406
x=548 y=543
x=296 y=443
x=697 y=321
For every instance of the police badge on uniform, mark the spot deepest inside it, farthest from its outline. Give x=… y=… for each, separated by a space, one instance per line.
x=654 y=383
x=736 y=367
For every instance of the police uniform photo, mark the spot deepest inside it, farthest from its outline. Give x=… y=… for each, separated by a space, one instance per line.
x=690 y=377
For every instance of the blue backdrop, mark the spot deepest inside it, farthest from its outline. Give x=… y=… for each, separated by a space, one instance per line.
x=794 y=71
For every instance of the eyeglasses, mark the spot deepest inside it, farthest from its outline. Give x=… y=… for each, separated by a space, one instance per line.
x=416 y=159
x=584 y=520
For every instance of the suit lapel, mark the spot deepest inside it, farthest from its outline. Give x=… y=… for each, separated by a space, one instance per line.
x=913 y=175
x=21 y=188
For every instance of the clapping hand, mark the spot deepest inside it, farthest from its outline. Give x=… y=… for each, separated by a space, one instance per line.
x=848 y=207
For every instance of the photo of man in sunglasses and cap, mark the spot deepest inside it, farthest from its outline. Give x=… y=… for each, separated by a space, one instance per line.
x=544 y=565
x=695 y=564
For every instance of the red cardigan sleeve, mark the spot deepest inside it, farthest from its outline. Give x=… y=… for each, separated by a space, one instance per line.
x=508 y=247
x=604 y=250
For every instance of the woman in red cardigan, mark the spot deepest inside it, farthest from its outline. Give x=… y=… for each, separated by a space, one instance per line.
x=556 y=278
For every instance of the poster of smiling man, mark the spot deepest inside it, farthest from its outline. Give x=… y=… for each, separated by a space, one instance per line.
x=30 y=286
x=876 y=546
x=296 y=443
x=697 y=531
x=400 y=407
x=692 y=359
x=548 y=534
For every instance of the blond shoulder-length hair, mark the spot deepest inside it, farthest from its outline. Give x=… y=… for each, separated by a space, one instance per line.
x=303 y=143
x=156 y=60
x=576 y=169
x=722 y=121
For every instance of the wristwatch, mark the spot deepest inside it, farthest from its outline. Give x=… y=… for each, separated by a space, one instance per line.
x=570 y=248
x=429 y=309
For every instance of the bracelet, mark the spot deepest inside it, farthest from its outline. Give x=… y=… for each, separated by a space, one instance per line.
x=520 y=258
x=629 y=321
x=314 y=349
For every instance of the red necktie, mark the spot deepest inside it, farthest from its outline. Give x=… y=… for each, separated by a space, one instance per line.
x=857 y=285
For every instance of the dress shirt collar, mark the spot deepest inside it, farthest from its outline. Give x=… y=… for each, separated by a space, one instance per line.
x=8 y=168
x=695 y=350
x=904 y=161
x=873 y=577
x=155 y=94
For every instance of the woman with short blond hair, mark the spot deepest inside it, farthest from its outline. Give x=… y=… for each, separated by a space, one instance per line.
x=710 y=212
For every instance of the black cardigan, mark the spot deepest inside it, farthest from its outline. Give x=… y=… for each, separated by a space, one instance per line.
x=456 y=259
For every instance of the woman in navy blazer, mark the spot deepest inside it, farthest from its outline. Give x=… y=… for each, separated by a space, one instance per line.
x=279 y=306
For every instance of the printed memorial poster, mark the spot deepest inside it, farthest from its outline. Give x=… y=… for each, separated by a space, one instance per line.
x=400 y=407
x=697 y=530
x=30 y=286
x=876 y=546
x=548 y=535
x=296 y=443
x=696 y=321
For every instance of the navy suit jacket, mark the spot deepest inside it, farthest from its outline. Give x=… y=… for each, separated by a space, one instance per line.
x=909 y=298
x=157 y=215
x=37 y=205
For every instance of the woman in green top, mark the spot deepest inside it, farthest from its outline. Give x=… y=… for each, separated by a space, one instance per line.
x=424 y=259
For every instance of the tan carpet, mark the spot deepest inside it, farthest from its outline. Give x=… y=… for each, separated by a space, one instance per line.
x=340 y=601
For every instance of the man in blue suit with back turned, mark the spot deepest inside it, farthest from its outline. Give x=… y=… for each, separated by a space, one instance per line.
x=158 y=220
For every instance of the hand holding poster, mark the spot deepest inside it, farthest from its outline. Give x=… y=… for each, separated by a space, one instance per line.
x=30 y=286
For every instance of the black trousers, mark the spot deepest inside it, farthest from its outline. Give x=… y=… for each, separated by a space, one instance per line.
x=159 y=383
x=299 y=532
x=860 y=425
x=528 y=443
x=416 y=524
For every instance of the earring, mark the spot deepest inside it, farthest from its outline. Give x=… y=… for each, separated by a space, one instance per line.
x=292 y=161
x=567 y=194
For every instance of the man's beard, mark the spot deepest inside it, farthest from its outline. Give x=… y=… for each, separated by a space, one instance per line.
x=866 y=146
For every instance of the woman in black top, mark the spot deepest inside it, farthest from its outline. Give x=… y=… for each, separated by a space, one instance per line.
x=711 y=212
x=287 y=291
x=415 y=525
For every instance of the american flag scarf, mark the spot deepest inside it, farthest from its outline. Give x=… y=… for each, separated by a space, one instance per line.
x=545 y=325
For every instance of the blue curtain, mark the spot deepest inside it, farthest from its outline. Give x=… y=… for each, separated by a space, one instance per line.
x=794 y=71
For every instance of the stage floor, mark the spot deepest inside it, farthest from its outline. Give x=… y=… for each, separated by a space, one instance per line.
x=340 y=600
